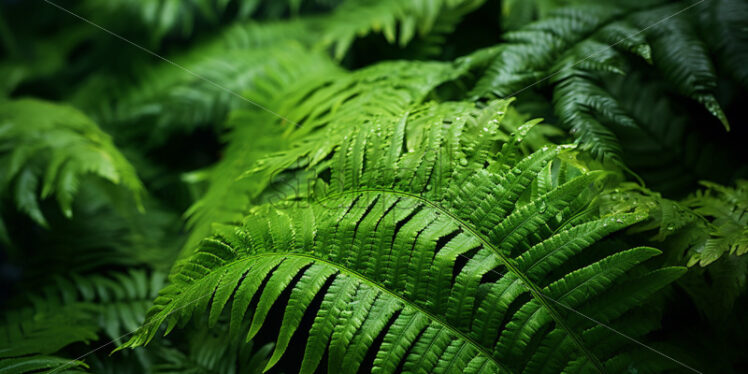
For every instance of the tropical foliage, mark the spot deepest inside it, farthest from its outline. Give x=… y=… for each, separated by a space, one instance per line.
x=343 y=186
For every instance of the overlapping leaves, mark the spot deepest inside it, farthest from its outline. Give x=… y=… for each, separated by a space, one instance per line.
x=417 y=232
x=576 y=49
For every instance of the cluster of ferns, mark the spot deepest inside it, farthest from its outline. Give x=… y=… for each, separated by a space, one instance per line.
x=373 y=186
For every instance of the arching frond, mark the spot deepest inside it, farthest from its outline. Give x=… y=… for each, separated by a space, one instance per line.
x=45 y=329
x=707 y=228
x=384 y=89
x=575 y=50
x=727 y=209
x=324 y=105
x=114 y=303
x=416 y=235
x=170 y=100
x=334 y=190
x=399 y=21
x=669 y=150
x=254 y=60
x=29 y=336
x=45 y=150
x=75 y=310
x=36 y=363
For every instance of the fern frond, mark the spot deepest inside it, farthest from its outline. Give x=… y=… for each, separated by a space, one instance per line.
x=169 y=100
x=707 y=228
x=120 y=298
x=212 y=351
x=316 y=105
x=715 y=220
x=723 y=23
x=163 y=18
x=254 y=60
x=394 y=210
x=576 y=48
x=681 y=55
x=47 y=148
x=45 y=329
x=399 y=21
x=74 y=310
x=727 y=209
x=227 y=197
x=662 y=144
x=384 y=89
x=29 y=336
x=114 y=303
x=534 y=49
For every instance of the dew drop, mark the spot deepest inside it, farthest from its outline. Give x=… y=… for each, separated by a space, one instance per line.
x=619 y=221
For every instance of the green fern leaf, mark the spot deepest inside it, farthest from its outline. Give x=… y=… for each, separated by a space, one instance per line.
x=379 y=239
x=682 y=56
x=317 y=105
x=177 y=101
x=210 y=350
x=254 y=61
x=576 y=48
x=358 y=18
x=55 y=146
x=45 y=330
x=727 y=208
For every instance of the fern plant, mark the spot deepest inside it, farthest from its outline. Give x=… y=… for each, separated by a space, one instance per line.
x=579 y=50
x=48 y=148
x=373 y=186
x=317 y=104
x=727 y=207
x=250 y=62
x=164 y=17
x=421 y=235
x=75 y=310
